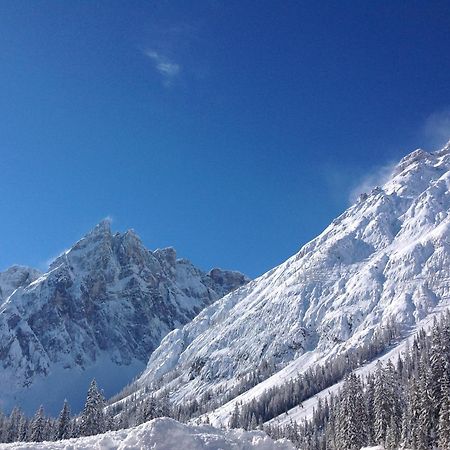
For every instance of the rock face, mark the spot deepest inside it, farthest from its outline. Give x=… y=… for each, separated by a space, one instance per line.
x=386 y=258
x=100 y=310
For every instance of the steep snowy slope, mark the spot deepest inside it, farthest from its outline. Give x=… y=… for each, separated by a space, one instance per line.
x=306 y=409
x=100 y=310
x=386 y=258
x=164 y=434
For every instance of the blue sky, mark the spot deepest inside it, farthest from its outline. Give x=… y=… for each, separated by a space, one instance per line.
x=234 y=131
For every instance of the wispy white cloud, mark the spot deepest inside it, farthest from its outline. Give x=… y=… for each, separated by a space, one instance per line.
x=166 y=67
x=437 y=128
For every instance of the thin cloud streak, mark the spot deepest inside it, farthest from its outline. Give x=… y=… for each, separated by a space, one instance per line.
x=167 y=69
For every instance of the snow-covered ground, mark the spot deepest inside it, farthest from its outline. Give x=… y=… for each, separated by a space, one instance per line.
x=164 y=434
x=372 y=448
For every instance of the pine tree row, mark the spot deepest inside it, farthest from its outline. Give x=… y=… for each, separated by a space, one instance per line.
x=93 y=420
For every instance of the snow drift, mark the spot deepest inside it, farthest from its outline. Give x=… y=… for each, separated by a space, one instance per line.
x=164 y=434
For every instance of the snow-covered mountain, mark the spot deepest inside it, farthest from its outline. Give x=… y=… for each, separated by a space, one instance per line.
x=387 y=258
x=100 y=310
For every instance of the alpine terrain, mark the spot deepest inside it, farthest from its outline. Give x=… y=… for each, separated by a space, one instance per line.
x=99 y=311
x=371 y=278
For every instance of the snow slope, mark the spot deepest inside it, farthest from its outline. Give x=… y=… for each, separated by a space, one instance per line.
x=164 y=434
x=306 y=410
x=99 y=311
x=386 y=258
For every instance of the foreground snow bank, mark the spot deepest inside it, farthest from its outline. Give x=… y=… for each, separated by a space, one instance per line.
x=164 y=434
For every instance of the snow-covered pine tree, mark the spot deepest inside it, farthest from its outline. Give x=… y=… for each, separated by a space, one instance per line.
x=63 y=430
x=437 y=367
x=425 y=423
x=22 y=433
x=392 y=435
x=381 y=405
x=235 y=417
x=92 y=418
x=369 y=398
x=406 y=431
x=444 y=413
x=37 y=432
x=353 y=420
x=12 y=428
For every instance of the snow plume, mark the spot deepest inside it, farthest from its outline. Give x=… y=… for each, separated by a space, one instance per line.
x=377 y=177
x=437 y=128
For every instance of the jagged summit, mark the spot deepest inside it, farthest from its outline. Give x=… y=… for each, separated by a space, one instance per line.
x=386 y=258
x=104 y=226
x=100 y=310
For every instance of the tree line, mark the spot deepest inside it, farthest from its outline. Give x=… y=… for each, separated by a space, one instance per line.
x=93 y=420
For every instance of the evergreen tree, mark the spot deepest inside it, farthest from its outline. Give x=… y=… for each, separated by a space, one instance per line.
x=405 y=438
x=370 y=414
x=352 y=420
x=11 y=432
x=63 y=430
x=425 y=422
x=392 y=435
x=444 y=413
x=92 y=417
x=381 y=405
x=37 y=433
x=22 y=433
x=437 y=367
x=235 y=417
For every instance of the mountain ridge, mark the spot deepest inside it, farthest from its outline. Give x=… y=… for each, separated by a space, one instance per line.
x=105 y=302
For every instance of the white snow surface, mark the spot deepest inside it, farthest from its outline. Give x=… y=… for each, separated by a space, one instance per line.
x=164 y=434
x=99 y=311
x=386 y=257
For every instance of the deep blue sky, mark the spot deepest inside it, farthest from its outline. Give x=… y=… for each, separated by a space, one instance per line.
x=234 y=131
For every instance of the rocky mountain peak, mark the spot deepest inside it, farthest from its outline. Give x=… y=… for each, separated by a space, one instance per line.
x=102 y=308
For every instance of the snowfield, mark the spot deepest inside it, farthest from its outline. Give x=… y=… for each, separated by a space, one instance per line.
x=164 y=434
